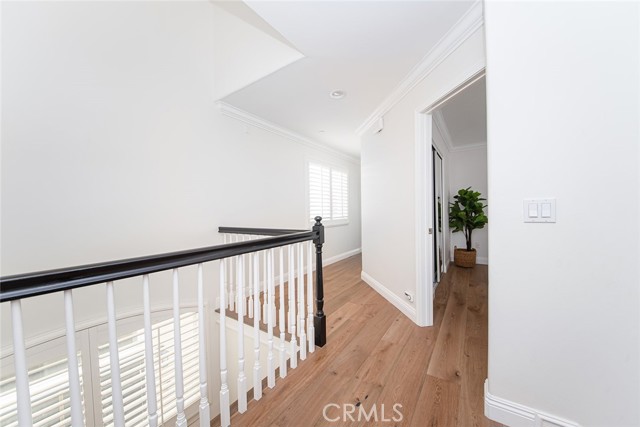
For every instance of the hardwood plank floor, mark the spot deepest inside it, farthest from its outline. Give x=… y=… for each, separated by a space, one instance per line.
x=376 y=358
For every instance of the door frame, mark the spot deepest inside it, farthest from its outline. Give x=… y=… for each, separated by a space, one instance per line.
x=424 y=199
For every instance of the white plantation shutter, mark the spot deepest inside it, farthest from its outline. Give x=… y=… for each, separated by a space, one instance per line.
x=339 y=195
x=50 y=398
x=328 y=193
x=133 y=371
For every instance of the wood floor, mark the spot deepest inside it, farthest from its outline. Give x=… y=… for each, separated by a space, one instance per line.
x=376 y=358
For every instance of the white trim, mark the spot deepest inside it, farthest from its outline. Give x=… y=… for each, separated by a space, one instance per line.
x=517 y=415
x=458 y=34
x=439 y=122
x=470 y=147
x=340 y=257
x=482 y=260
x=423 y=197
x=394 y=299
x=259 y=122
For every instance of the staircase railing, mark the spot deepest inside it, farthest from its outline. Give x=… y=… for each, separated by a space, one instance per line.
x=240 y=286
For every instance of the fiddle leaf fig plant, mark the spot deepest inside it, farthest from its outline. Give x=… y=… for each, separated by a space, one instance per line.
x=466 y=213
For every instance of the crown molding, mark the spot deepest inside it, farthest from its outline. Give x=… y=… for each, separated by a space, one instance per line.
x=439 y=122
x=470 y=22
x=259 y=122
x=469 y=147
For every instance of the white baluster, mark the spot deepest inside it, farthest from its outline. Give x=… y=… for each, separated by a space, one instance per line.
x=251 y=287
x=257 y=379
x=311 y=331
x=152 y=404
x=243 y=301
x=225 y=412
x=292 y=310
x=242 y=378
x=181 y=420
x=265 y=315
x=232 y=281
x=205 y=417
x=301 y=319
x=271 y=369
x=22 y=373
x=116 y=386
x=72 y=358
x=226 y=282
x=283 y=351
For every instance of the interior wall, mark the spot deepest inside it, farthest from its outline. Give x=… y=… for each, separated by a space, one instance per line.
x=563 y=108
x=389 y=181
x=113 y=147
x=469 y=169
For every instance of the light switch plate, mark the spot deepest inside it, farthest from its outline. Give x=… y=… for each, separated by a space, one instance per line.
x=545 y=210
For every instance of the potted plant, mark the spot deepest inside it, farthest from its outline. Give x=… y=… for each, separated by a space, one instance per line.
x=466 y=214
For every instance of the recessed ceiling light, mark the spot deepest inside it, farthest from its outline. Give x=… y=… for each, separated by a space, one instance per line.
x=337 y=94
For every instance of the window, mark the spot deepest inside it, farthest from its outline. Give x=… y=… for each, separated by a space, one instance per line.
x=49 y=380
x=50 y=395
x=133 y=371
x=328 y=194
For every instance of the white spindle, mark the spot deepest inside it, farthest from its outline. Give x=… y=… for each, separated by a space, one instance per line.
x=311 y=331
x=265 y=315
x=301 y=319
x=257 y=379
x=22 y=373
x=152 y=404
x=251 y=290
x=72 y=358
x=271 y=369
x=292 y=310
x=226 y=282
x=116 y=386
x=232 y=282
x=283 y=351
x=205 y=418
x=225 y=412
x=242 y=378
x=181 y=420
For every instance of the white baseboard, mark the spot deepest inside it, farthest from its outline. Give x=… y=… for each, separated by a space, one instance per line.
x=394 y=299
x=341 y=256
x=482 y=260
x=516 y=415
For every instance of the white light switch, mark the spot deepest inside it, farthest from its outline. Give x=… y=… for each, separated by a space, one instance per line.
x=540 y=210
x=546 y=210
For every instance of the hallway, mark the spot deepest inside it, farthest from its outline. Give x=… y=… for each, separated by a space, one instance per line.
x=376 y=358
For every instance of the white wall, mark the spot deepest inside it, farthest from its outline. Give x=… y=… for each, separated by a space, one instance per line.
x=112 y=147
x=388 y=176
x=563 y=109
x=469 y=169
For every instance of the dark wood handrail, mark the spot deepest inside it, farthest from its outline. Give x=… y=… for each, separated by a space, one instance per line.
x=45 y=282
x=257 y=231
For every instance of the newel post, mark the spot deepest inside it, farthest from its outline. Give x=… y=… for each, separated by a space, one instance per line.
x=319 y=320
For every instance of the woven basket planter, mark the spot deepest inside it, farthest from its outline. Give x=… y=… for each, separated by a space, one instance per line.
x=464 y=258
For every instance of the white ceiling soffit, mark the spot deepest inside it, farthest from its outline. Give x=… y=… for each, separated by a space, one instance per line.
x=246 y=48
x=365 y=48
x=465 y=116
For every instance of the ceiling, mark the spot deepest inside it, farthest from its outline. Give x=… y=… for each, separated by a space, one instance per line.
x=364 y=48
x=465 y=116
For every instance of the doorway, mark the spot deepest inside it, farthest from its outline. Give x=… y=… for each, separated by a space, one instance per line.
x=434 y=152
